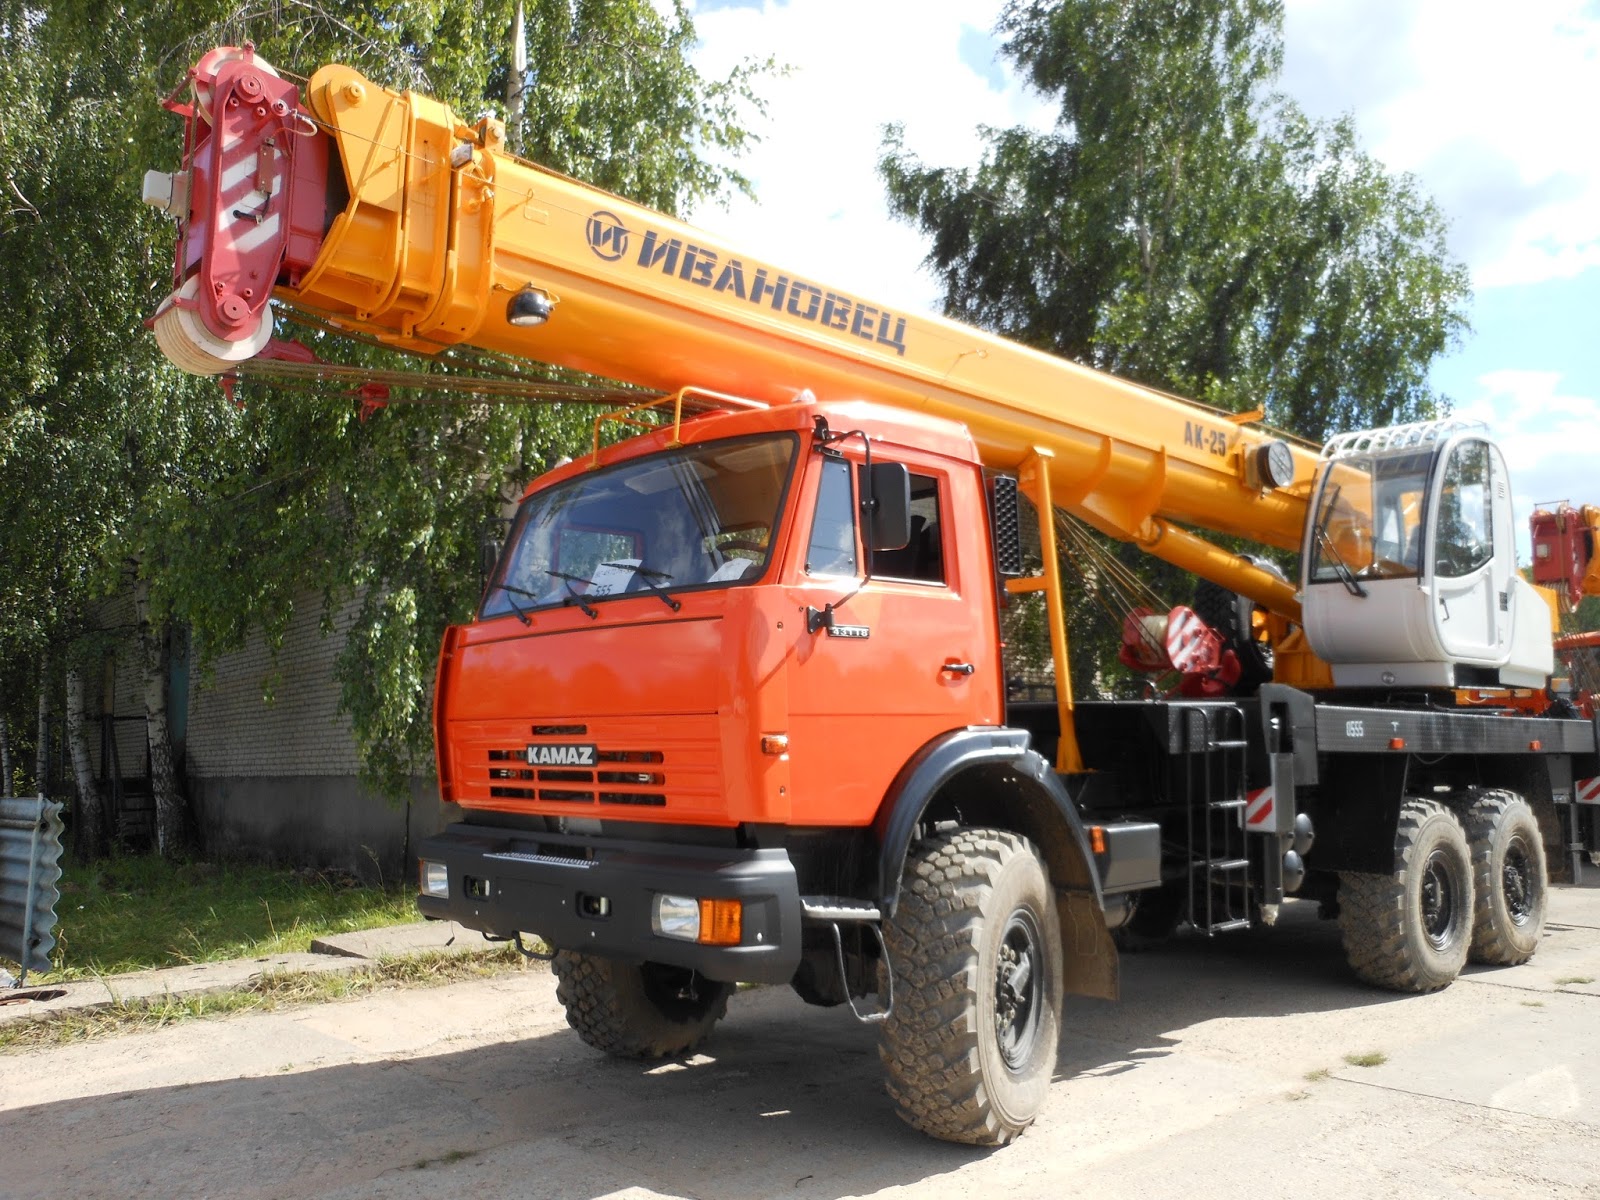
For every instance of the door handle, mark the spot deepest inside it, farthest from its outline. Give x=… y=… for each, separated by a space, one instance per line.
x=959 y=668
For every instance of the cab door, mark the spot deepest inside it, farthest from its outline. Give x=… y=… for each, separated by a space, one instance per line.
x=912 y=650
x=1471 y=554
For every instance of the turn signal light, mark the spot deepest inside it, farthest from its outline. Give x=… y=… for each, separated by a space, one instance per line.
x=1097 y=838
x=721 y=922
x=775 y=743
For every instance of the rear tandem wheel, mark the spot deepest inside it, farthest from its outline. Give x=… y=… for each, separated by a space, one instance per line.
x=1409 y=931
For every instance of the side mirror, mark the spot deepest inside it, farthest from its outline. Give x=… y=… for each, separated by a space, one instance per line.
x=886 y=504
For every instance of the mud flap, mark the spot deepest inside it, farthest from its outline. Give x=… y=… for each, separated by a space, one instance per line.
x=1089 y=956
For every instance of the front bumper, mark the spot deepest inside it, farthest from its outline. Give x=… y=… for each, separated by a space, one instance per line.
x=505 y=881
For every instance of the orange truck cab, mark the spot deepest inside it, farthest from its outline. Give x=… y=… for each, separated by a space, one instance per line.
x=732 y=670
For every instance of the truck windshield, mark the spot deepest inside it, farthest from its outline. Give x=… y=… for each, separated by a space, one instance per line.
x=1369 y=516
x=697 y=517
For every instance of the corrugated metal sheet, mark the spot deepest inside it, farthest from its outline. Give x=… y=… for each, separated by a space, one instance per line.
x=30 y=858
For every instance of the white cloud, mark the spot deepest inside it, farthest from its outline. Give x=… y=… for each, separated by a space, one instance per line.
x=1489 y=104
x=856 y=66
x=1547 y=434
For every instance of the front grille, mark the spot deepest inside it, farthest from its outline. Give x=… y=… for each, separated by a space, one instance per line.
x=613 y=780
x=670 y=763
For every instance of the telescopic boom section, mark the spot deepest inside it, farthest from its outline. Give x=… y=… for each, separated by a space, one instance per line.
x=387 y=214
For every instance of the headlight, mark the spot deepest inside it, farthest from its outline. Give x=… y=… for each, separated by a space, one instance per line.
x=709 y=922
x=435 y=879
x=676 y=917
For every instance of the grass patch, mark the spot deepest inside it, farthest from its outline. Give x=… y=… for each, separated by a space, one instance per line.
x=1318 y=1075
x=131 y=914
x=1533 y=1004
x=1575 y=979
x=1372 y=1058
x=270 y=993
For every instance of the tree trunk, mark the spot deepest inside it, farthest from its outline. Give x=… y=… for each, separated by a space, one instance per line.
x=172 y=824
x=41 y=750
x=89 y=836
x=516 y=83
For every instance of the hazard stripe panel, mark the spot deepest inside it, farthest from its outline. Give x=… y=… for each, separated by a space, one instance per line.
x=1258 y=809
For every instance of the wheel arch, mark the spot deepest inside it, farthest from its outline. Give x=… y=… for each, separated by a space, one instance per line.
x=991 y=778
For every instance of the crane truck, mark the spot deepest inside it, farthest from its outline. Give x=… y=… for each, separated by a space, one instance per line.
x=733 y=707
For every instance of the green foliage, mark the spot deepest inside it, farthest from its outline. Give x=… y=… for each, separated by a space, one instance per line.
x=272 y=991
x=1184 y=226
x=112 y=461
x=134 y=914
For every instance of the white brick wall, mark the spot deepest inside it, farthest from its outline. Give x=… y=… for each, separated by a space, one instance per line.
x=234 y=733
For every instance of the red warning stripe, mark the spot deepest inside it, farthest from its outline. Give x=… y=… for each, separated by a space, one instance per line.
x=1258 y=808
x=1587 y=791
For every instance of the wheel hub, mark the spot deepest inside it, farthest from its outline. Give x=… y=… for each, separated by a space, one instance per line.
x=1517 y=882
x=1439 y=901
x=1016 y=990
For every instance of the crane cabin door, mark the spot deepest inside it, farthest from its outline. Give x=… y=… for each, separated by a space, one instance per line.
x=1472 y=551
x=912 y=650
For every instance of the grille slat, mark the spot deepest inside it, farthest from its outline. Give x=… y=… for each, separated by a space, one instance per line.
x=642 y=799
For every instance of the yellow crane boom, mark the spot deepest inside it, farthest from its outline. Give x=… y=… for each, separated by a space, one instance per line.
x=386 y=213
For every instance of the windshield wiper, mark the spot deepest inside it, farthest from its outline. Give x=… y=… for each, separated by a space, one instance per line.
x=649 y=576
x=573 y=597
x=1340 y=567
x=509 y=588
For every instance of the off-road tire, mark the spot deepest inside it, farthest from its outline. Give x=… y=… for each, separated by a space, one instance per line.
x=1230 y=615
x=637 y=1010
x=1509 y=878
x=973 y=902
x=1409 y=931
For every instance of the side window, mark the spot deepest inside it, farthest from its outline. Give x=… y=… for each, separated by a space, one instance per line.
x=922 y=559
x=832 y=550
x=1465 y=540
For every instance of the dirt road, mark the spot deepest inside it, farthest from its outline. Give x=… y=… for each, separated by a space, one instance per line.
x=1205 y=1080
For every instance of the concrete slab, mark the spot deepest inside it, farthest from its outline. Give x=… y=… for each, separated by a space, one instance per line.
x=193 y=979
x=342 y=952
x=393 y=941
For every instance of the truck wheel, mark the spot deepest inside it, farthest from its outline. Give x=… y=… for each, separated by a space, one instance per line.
x=1409 y=931
x=637 y=1010
x=975 y=947
x=1508 y=878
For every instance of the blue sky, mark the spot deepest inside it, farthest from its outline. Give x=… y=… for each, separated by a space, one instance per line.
x=1492 y=107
